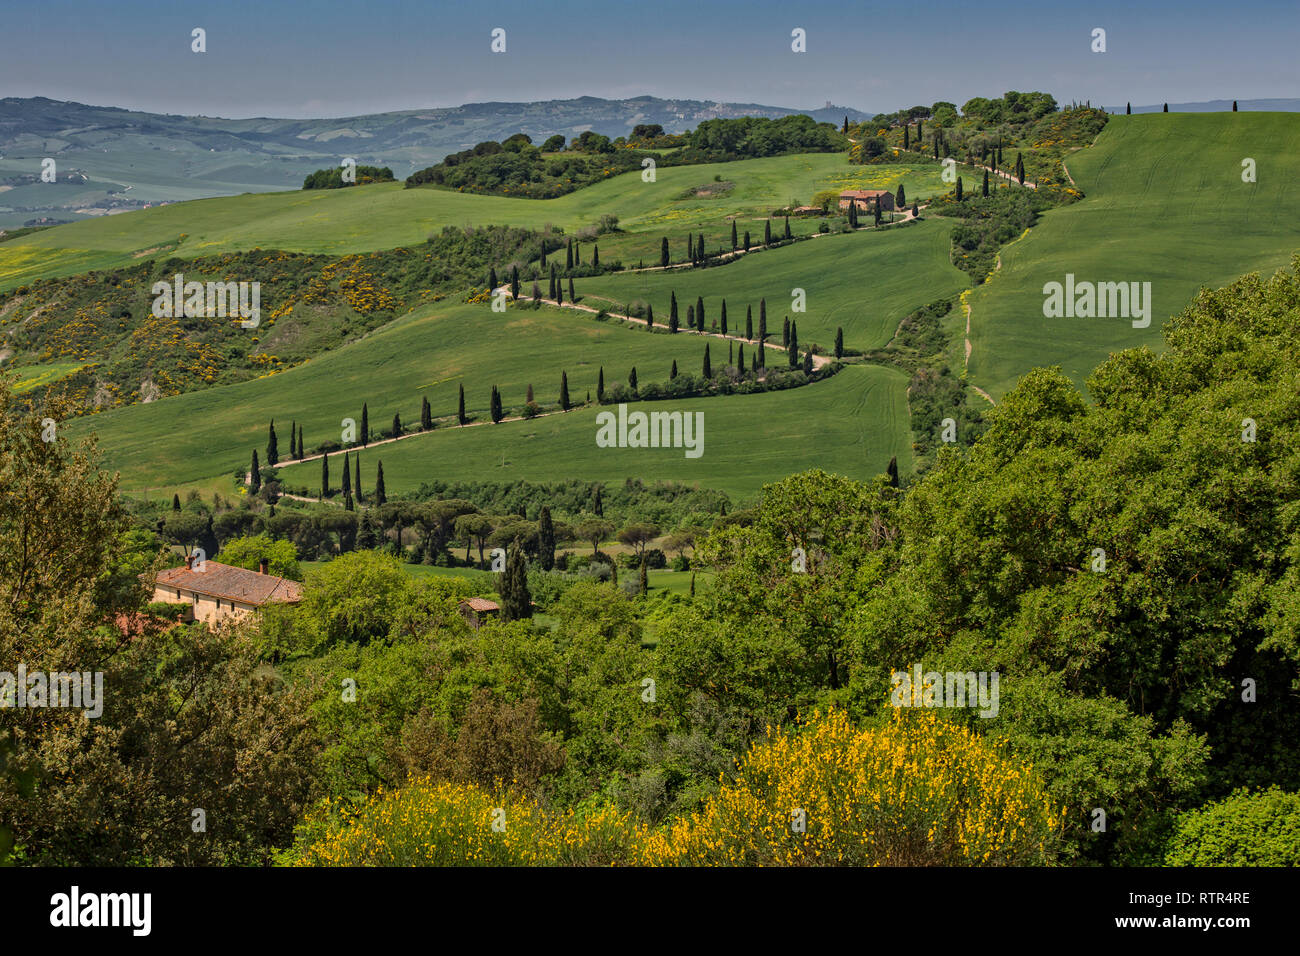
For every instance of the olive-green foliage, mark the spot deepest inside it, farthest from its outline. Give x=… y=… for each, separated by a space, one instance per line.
x=1244 y=829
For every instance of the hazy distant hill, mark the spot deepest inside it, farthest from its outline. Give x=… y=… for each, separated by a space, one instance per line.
x=113 y=159
x=1217 y=106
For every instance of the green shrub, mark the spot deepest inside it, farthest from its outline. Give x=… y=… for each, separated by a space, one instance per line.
x=1244 y=829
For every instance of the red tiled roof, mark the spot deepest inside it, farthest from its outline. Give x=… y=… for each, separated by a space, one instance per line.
x=862 y=193
x=233 y=584
x=481 y=604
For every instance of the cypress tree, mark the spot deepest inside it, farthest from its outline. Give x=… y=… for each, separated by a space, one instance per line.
x=787 y=225
x=919 y=122
x=568 y=256
x=734 y=243
x=959 y=189
x=892 y=472
x=514 y=282
x=690 y=317
x=845 y=128
x=916 y=211
x=767 y=233
x=492 y=279
x=631 y=380
x=564 y=391
x=839 y=342
x=672 y=311
x=853 y=215
x=746 y=240
x=546 y=539
x=673 y=374
x=984 y=190
x=356 y=476
x=598 y=504
x=794 y=343
x=877 y=208
x=460 y=408
x=347 y=477
x=690 y=248
x=537 y=296
x=301 y=454
x=426 y=414
x=325 y=475
x=595 y=256
x=907 y=141
x=256 y=484
x=600 y=385
x=663 y=253
x=902 y=196
x=495 y=406
x=749 y=322
x=365 y=424
x=807 y=362
x=176 y=499
x=1234 y=106
x=731 y=353
x=572 y=297
x=936 y=146
x=397 y=426
x=785 y=333
x=724 y=317
x=1166 y=109
x=699 y=312
x=762 y=324
x=1128 y=108
x=272 y=448
x=708 y=366
x=529 y=398
x=516 y=602
x=380 y=496
x=699 y=248
x=543 y=262
x=649 y=316
x=740 y=358
x=559 y=292
x=347 y=502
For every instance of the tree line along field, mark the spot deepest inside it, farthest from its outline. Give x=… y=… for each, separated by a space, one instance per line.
x=864 y=282
x=385 y=216
x=201 y=435
x=1165 y=203
x=850 y=425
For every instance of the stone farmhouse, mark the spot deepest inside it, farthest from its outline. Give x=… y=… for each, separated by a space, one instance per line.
x=866 y=198
x=218 y=592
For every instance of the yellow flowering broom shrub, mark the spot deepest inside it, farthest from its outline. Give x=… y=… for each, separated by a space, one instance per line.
x=919 y=791
x=429 y=823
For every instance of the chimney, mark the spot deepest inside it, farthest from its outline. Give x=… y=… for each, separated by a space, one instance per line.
x=263 y=565
x=189 y=562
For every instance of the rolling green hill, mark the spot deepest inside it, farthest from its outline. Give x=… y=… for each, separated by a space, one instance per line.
x=864 y=282
x=208 y=434
x=852 y=425
x=1165 y=204
x=384 y=216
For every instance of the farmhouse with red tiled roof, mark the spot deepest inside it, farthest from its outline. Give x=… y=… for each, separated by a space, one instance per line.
x=220 y=591
x=866 y=198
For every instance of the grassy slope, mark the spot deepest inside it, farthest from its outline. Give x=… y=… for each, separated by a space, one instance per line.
x=1165 y=204
x=851 y=424
x=428 y=353
x=385 y=216
x=865 y=282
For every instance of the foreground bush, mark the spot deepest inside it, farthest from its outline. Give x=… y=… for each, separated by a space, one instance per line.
x=431 y=823
x=918 y=791
x=1245 y=829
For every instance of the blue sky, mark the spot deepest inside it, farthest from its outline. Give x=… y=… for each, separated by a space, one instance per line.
x=329 y=58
